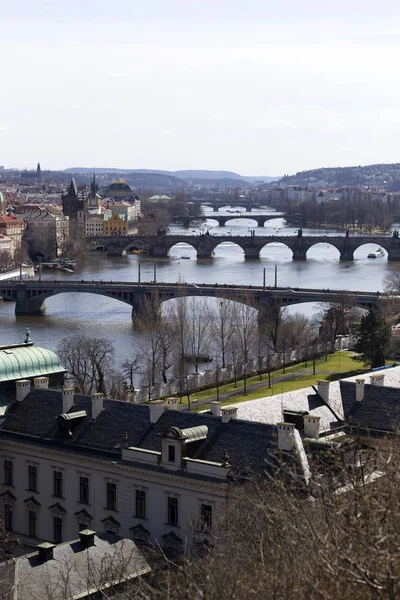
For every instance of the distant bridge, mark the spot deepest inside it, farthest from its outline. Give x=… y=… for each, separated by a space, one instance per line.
x=30 y=296
x=260 y=217
x=160 y=245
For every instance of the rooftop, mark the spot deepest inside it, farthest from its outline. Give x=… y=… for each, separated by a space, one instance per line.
x=74 y=571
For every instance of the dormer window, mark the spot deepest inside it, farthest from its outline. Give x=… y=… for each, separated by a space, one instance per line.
x=171 y=453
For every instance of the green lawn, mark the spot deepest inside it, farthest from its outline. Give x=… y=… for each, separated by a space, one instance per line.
x=337 y=366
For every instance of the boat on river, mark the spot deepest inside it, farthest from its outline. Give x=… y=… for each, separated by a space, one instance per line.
x=379 y=253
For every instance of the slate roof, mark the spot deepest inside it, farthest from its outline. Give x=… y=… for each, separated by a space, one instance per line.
x=245 y=445
x=73 y=571
x=379 y=410
x=270 y=409
x=119 y=422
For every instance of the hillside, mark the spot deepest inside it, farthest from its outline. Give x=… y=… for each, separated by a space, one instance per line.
x=197 y=174
x=382 y=175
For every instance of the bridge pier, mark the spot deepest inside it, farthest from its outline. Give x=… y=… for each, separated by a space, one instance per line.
x=28 y=306
x=160 y=251
x=251 y=253
x=347 y=254
x=299 y=254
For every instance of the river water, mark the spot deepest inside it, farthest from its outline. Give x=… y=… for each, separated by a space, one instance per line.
x=69 y=314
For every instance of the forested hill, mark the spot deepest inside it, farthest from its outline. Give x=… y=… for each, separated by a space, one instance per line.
x=382 y=175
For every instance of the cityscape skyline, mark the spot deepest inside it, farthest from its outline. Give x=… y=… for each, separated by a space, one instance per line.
x=252 y=87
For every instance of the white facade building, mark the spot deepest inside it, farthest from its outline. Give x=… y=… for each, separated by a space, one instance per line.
x=139 y=471
x=94 y=225
x=48 y=232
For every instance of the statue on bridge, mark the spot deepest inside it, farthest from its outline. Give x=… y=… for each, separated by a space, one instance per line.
x=396 y=233
x=300 y=232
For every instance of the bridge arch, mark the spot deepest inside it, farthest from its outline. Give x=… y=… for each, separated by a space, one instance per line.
x=228 y=247
x=322 y=251
x=182 y=249
x=361 y=251
x=277 y=251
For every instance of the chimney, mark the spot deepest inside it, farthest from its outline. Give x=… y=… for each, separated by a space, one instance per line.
x=228 y=414
x=360 y=389
x=87 y=537
x=377 y=379
x=97 y=404
x=156 y=410
x=215 y=408
x=46 y=551
x=68 y=399
x=311 y=426
x=41 y=383
x=171 y=402
x=323 y=390
x=286 y=436
x=23 y=388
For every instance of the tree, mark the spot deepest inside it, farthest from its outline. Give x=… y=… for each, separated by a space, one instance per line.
x=89 y=360
x=373 y=344
x=336 y=318
x=222 y=327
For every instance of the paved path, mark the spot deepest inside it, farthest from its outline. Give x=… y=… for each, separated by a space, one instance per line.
x=250 y=387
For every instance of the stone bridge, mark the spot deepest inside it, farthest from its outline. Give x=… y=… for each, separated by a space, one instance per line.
x=223 y=218
x=30 y=296
x=160 y=245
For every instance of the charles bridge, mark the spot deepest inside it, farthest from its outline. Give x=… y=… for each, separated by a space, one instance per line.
x=160 y=245
x=222 y=218
x=30 y=296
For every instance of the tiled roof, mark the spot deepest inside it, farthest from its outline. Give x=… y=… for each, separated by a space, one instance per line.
x=80 y=569
x=378 y=411
x=245 y=445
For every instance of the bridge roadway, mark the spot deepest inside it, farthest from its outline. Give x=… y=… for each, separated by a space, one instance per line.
x=160 y=245
x=260 y=217
x=30 y=296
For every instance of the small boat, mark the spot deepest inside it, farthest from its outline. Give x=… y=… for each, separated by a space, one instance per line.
x=187 y=257
x=377 y=254
x=69 y=263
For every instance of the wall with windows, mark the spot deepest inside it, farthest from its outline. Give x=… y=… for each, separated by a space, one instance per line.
x=48 y=494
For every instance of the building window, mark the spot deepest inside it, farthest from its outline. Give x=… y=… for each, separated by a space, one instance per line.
x=32 y=521
x=171 y=454
x=8 y=472
x=58 y=484
x=140 y=504
x=8 y=517
x=111 y=496
x=84 y=490
x=32 y=478
x=57 y=530
x=82 y=526
x=206 y=516
x=173 y=511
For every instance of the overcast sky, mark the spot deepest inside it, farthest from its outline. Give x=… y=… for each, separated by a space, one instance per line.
x=260 y=87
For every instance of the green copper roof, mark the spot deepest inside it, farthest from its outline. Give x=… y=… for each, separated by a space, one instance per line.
x=26 y=361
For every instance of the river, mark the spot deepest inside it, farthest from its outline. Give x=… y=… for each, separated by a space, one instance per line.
x=69 y=314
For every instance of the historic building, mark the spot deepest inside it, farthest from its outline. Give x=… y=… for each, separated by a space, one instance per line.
x=12 y=228
x=148 y=472
x=26 y=361
x=115 y=224
x=119 y=189
x=47 y=232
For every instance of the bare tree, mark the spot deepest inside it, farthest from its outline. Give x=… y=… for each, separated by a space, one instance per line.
x=198 y=330
x=89 y=360
x=246 y=325
x=222 y=326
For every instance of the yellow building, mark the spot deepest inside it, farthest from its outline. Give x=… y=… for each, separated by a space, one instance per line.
x=115 y=224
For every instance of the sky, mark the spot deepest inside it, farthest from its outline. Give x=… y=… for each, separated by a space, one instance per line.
x=259 y=87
